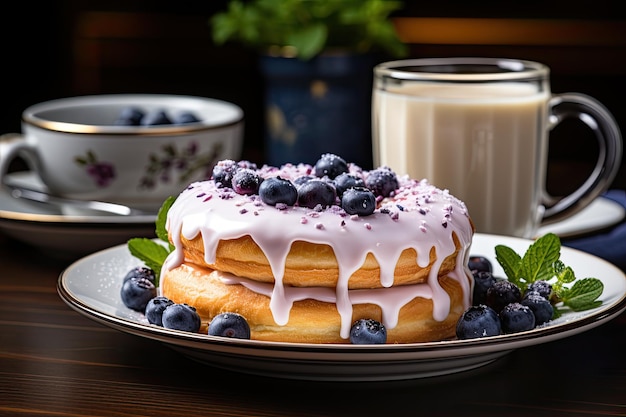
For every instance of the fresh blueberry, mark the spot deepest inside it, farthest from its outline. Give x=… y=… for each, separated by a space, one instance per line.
x=358 y=200
x=544 y=288
x=155 y=308
x=316 y=192
x=130 y=116
x=368 y=332
x=345 y=181
x=181 y=317
x=302 y=180
x=330 y=165
x=382 y=181
x=141 y=272
x=276 y=190
x=246 y=181
x=155 y=117
x=478 y=321
x=501 y=293
x=479 y=263
x=541 y=307
x=223 y=173
x=483 y=280
x=136 y=292
x=229 y=325
x=185 y=117
x=516 y=318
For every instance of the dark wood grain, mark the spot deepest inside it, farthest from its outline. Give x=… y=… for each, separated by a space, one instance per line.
x=55 y=362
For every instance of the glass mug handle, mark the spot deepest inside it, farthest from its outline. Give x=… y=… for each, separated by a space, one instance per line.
x=606 y=130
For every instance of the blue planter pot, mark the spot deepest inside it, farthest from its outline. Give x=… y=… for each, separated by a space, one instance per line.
x=318 y=106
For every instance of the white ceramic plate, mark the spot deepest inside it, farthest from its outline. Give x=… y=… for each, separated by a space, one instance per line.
x=58 y=230
x=91 y=286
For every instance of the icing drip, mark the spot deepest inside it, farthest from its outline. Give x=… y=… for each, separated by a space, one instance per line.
x=419 y=216
x=390 y=300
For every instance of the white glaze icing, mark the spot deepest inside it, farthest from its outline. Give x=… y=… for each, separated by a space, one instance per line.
x=419 y=216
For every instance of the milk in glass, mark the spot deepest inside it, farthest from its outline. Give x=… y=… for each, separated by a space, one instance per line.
x=482 y=142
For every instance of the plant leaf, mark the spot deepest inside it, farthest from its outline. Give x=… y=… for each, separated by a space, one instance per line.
x=355 y=25
x=537 y=263
x=150 y=252
x=542 y=262
x=309 y=41
x=583 y=294
x=161 y=220
x=566 y=276
x=510 y=262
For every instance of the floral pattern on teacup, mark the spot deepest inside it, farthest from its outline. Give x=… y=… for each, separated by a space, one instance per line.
x=187 y=162
x=103 y=173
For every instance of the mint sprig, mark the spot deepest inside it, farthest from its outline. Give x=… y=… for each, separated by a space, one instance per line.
x=542 y=262
x=152 y=252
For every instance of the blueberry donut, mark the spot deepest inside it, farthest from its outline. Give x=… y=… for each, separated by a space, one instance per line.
x=302 y=251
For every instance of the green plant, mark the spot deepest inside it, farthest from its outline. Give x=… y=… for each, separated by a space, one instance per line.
x=304 y=28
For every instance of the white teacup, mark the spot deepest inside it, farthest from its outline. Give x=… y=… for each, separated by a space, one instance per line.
x=79 y=152
x=480 y=127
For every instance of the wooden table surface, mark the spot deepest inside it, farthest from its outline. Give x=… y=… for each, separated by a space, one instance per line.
x=55 y=362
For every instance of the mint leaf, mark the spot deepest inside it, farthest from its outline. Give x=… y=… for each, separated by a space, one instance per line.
x=583 y=294
x=510 y=262
x=560 y=269
x=537 y=263
x=564 y=275
x=541 y=261
x=161 y=232
x=150 y=252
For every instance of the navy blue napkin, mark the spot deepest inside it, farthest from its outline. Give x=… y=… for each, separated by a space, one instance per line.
x=608 y=244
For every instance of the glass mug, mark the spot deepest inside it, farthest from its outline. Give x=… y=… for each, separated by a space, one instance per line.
x=479 y=127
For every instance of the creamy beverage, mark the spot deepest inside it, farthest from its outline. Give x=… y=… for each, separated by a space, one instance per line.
x=479 y=127
x=485 y=142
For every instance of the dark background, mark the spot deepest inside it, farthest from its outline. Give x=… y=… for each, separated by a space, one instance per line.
x=64 y=48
